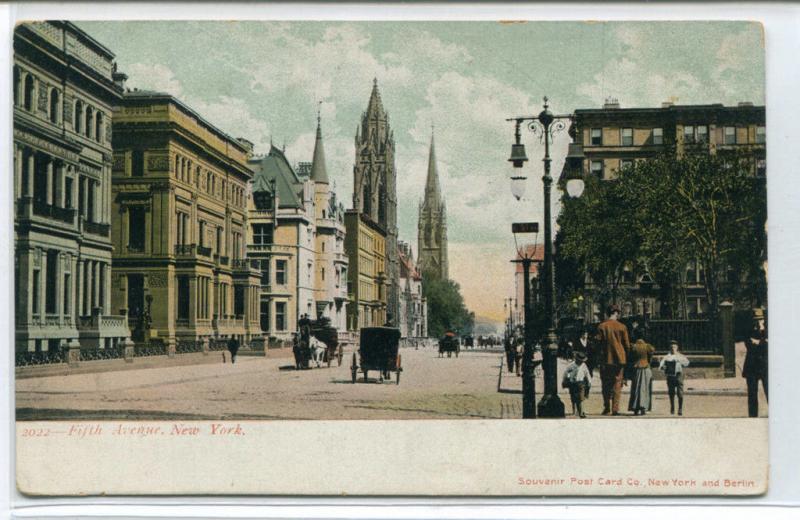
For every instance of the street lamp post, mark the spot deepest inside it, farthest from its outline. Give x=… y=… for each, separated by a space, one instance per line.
x=545 y=125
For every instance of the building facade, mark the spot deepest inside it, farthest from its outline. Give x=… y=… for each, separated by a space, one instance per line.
x=297 y=235
x=375 y=186
x=612 y=138
x=432 y=225
x=365 y=244
x=413 y=310
x=64 y=93
x=180 y=220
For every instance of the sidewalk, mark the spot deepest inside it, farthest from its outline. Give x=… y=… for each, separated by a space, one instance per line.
x=141 y=363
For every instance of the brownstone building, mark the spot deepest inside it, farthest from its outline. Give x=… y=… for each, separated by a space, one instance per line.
x=612 y=137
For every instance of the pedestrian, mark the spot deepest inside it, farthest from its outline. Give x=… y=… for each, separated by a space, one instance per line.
x=614 y=344
x=756 y=362
x=673 y=364
x=578 y=381
x=582 y=344
x=233 y=348
x=640 y=355
x=511 y=353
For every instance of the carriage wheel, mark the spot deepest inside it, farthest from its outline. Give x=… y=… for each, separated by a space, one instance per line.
x=354 y=367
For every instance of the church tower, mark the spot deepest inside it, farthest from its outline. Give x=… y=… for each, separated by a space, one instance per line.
x=375 y=186
x=432 y=226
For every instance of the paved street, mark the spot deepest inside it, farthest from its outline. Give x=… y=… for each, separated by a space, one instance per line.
x=267 y=388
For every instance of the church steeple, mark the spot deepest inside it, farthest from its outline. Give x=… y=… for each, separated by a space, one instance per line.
x=319 y=172
x=433 y=195
x=375 y=106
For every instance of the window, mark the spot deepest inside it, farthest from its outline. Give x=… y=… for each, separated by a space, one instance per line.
x=658 y=136
x=265 y=273
x=51 y=283
x=218 y=245
x=597 y=136
x=730 y=135
x=68 y=192
x=323 y=274
x=78 y=116
x=265 y=325
x=136 y=228
x=67 y=293
x=137 y=163
x=626 y=137
x=308 y=273
x=761 y=134
x=262 y=234
x=36 y=290
x=597 y=169
x=183 y=297
x=280 y=272
x=202 y=234
x=54 y=106
x=688 y=134
x=29 y=94
x=98 y=127
x=702 y=134
x=89 y=122
x=238 y=300
x=280 y=315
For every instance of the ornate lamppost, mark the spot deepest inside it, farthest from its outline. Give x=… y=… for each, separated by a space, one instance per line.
x=544 y=125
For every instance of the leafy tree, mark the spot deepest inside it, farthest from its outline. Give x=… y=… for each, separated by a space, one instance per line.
x=446 y=308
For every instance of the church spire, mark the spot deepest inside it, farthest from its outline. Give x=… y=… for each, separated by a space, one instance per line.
x=319 y=172
x=375 y=106
x=433 y=194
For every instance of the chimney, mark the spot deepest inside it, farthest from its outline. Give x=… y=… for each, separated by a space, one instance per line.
x=611 y=103
x=667 y=104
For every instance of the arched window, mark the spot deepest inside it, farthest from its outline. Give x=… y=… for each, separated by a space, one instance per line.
x=55 y=106
x=177 y=165
x=16 y=85
x=88 y=126
x=78 y=116
x=30 y=88
x=98 y=127
x=382 y=204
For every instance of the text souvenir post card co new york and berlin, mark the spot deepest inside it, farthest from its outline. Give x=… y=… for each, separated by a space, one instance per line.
x=385 y=258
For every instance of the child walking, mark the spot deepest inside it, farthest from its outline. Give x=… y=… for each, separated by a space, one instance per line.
x=577 y=379
x=673 y=364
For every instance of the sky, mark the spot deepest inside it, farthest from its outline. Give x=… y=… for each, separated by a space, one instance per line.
x=264 y=81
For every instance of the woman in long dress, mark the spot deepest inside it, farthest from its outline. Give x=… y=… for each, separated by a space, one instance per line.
x=641 y=353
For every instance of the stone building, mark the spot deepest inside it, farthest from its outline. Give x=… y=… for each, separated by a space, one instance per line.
x=180 y=221
x=365 y=244
x=413 y=310
x=375 y=186
x=297 y=236
x=432 y=224
x=64 y=92
x=612 y=137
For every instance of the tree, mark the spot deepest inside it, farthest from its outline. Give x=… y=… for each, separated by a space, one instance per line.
x=446 y=308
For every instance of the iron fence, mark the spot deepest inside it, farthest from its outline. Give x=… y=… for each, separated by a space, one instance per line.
x=150 y=348
x=50 y=357
x=94 y=354
x=188 y=346
x=217 y=344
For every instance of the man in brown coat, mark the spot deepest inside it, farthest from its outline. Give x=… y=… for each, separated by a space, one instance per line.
x=614 y=344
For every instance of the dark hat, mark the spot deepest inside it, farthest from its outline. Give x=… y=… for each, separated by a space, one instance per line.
x=758 y=314
x=580 y=356
x=612 y=309
x=673 y=342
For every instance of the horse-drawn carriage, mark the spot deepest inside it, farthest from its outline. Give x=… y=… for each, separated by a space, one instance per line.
x=449 y=344
x=378 y=350
x=316 y=342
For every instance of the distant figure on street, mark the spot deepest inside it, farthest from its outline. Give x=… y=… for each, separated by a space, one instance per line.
x=672 y=365
x=640 y=355
x=614 y=344
x=511 y=353
x=756 y=362
x=578 y=381
x=582 y=344
x=636 y=332
x=233 y=348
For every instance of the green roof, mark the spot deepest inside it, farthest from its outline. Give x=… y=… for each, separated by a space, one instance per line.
x=275 y=166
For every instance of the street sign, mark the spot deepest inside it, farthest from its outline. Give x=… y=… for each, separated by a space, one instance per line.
x=525 y=227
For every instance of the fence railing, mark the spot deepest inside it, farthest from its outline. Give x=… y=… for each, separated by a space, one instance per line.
x=188 y=346
x=150 y=348
x=94 y=354
x=217 y=344
x=50 y=357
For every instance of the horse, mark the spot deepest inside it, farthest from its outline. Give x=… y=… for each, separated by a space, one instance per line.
x=318 y=349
